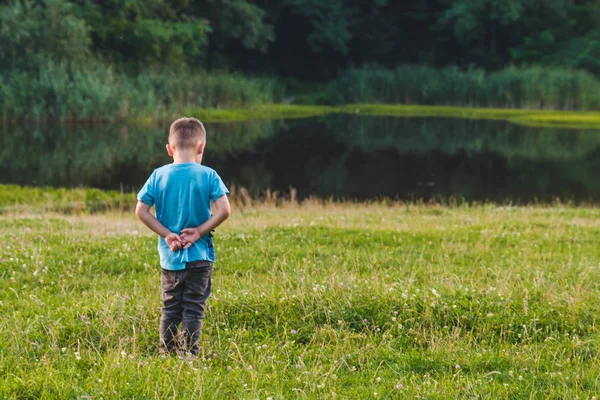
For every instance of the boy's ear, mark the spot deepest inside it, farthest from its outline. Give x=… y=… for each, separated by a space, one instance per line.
x=201 y=147
x=169 y=150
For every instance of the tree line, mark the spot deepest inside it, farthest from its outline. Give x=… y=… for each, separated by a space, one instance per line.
x=300 y=39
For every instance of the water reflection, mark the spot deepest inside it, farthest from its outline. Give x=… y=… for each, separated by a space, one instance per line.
x=104 y=156
x=341 y=156
x=424 y=135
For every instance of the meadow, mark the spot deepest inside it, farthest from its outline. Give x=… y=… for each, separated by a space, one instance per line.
x=314 y=300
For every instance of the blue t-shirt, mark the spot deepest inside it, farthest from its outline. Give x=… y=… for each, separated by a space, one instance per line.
x=182 y=195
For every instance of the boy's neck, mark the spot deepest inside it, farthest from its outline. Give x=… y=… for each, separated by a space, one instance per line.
x=186 y=156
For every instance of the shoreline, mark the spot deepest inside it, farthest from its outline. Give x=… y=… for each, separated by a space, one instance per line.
x=26 y=199
x=524 y=117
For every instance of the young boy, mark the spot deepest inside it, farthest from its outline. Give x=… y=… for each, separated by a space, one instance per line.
x=182 y=192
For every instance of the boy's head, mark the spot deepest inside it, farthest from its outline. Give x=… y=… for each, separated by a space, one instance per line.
x=187 y=134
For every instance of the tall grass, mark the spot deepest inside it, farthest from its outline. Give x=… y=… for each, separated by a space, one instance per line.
x=529 y=88
x=14 y=198
x=58 y=91
x=97 y=91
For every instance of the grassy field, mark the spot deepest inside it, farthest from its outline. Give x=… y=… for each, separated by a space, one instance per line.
x=319 y=300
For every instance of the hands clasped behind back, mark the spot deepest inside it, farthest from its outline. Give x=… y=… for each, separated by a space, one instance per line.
x=183 y=241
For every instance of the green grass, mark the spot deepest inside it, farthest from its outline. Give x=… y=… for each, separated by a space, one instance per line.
x=581 y=120
x=260 y=112
x=14 y=197
x=312 y=301
x=535 y=118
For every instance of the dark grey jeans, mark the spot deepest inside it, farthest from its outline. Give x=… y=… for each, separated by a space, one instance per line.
x=184 y=296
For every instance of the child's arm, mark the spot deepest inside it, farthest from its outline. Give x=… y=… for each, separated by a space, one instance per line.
x=142 y=211
x=223 y=211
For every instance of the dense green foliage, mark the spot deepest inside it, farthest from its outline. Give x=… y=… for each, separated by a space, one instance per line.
x=317 y=302
x=290 y=37
x=95 y=92
x=63 y=91
x=81 y=59
x=109 y=59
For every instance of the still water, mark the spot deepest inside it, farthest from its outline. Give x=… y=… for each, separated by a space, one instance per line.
x=337 y=156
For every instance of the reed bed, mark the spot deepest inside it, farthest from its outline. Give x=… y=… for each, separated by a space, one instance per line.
x=97 y=92
x=537 y=88
x=58 y=91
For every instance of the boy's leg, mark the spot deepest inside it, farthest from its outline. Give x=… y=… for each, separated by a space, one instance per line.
x=172 y=294
x=195 y=294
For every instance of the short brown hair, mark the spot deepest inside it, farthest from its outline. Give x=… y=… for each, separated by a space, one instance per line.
x=186 y=132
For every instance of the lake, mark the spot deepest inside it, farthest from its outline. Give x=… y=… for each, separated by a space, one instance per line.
x=339 y=156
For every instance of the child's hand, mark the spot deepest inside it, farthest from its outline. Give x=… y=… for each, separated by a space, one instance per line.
x=176 y=246
x=174 y=241
x=189 y=236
